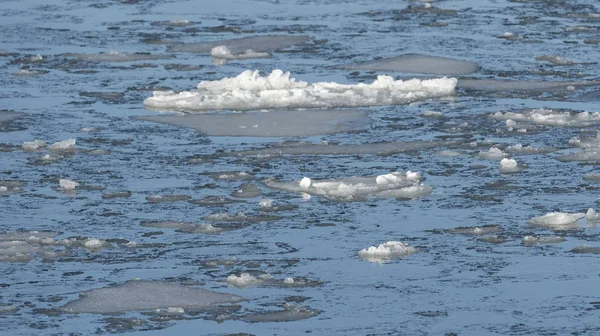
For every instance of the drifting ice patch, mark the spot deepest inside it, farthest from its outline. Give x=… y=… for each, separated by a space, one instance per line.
x=394 y=185
x=510 y=166
x=386 y=251
x=539 y=240
x=415 y=63
x=245 y=280
x=551 y=117
x=250 y=91
x=236 y=46
x=145 y=295
x=527 y=150
x=554 y=60
x=556 y=218
x=222 y=52
x=493 y=154
x=68 y=184
x=8 y=116
x=268 y=124
x=63 y=145
x=114 y=56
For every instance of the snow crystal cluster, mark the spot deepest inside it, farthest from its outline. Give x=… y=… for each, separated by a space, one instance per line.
x=251 y=91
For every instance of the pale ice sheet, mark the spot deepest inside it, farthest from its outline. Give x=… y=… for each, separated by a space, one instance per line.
x=556 y=219
x=145 y=295
x=528 y=86
x=268 y=124
x=264 y=43
x=8 y=116
x=416 y=63
x=541 y=240
x=589 y=150
x=251 y=91
x=394 y=185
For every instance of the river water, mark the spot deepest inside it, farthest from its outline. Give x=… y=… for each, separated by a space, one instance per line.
x=162 y=211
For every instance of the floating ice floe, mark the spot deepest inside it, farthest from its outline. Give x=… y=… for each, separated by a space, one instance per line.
x=541 y=240
x=386 y=251
x=167 y=198
x=527 y=150
x=493 y=154
x=554 y=60
x=28 y=73
x=586 y=249
x=556 y=219
x=268 y=124
x=510 y=166
x=236 y=46
x=68 y=184
x=520 y=86
x=230 y=176
x=266 y=203
x=591 y=215
x=173 y=23
x=416 y=63
x=8 y=116
x=33 y=145
x=552 y=117
x=394 y=185
x=63 y=145
x=114 y=56
x=223 y=53
x=288 y=314
x=476 y=230
x=432 y=114
x=145 y=295
x=184 y=227
x=250 y=91
x=590 y=150
x=246 y=280
x=240 y=217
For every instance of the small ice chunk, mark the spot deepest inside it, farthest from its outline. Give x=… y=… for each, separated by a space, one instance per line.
x=306 y=197
x=388 y=250
x=222 y=52
x=305 y=182
x=510 y=123
x=412 y=176
x=493 y=154
x=63 y=145
x=591 y=215
x=556 y=218
x=266 y=203
x=535 y=240
x=243 y=281
x=33 y=145
x=432 y=114
x=93 y=243
x=509 y=166
x=67 y=184
x=288 y=281
x=3 y=189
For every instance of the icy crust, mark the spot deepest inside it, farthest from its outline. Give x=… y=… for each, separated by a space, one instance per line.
x=551 y=117
x=386 y=251
x=394 y=185
x=251 y=91
x=145 y=295
x=556 y=218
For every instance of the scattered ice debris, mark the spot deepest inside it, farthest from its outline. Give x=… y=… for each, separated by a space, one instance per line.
x=68 y=184
x=540 y=240
x=11 y=185
x=246 y=280
x=556 y=218
x=18 y=251
x=554 y=60
x=476 y=230
x=449 y=153
x=510 y=36
x=33 y=145
x=510 y=166
x=386 y=251
x=114 y=56
x=93 y=243
x=552 y=117
x=394 y=185
x=145 y=295
x=222 y=52
x=493 y=154
x=289 y=313
x=527 y=150
x=416 y=63
x=64 y=145
x=590 y=150
x=250 y=91
x=167 y=198
x=37 y=58
x=268 y=123
x=26 y=235
x=257 y=43
x=306 y=197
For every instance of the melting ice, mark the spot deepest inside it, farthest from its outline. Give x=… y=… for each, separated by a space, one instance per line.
x=251 y=91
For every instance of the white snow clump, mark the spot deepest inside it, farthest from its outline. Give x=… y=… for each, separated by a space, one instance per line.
x=63 y=145
x=391 y=249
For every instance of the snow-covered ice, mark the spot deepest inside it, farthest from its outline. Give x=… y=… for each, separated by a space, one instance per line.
x=251 y=91
x=33 y=145
x=68 y=184
x=510 y=166
x=63 y=145
x=386 y=251
x=556 y=218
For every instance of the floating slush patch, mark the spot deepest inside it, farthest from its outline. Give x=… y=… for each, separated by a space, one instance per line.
x=250 y=91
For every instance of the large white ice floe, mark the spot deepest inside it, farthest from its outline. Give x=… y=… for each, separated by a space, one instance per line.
x=268 y=124
x=145 y=295
x=415 y=63
x=386 y=251
x=263 y=43
x=251 y=91
x=556 y=219
x=549 y=117
x=393 y=185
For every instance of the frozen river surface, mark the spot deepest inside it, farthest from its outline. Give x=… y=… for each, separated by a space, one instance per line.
x=299 y=167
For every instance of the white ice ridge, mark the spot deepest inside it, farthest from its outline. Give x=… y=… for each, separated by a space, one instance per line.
x=391 y=249
x=393 y=185
x=251 y=91
x=551 y=117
